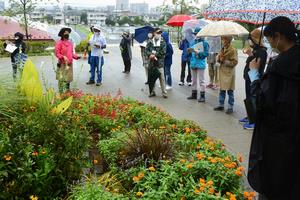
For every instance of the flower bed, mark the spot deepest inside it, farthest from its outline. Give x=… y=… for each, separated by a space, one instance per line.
x=103 y=147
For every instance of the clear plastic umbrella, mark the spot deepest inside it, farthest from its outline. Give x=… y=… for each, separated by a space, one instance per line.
x=54 y=30
x=190 y=25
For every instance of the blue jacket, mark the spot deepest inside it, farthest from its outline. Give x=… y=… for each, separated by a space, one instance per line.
x=184 y=45
x=169 y=52
x=198 y=61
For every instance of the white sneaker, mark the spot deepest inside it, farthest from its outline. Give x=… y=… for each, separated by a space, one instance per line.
x=190 y=84
x=181 y=83
x=168 y=87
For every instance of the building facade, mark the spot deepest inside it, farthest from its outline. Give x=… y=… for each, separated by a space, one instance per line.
x=139 y=8
x=122 y=5
x=96 y=18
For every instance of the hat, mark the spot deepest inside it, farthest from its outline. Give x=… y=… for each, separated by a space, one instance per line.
x=157 y=30
x=197 y=30
x=96 y=28
x=255 y=35
x=20 y=35
x=61 y=32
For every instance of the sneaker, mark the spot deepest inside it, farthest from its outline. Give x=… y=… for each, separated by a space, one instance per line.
x=165 y=96
x=190 y=84
x=90 y=82
x=181 y=83
x=98 y=84
x=219 y=108
x=248 y=126
x=210 y=85
x=229 y=111
x=168 y=87
x=152 y=95
x=244 y=120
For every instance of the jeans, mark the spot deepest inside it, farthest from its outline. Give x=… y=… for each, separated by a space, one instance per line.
x=168 y=76
x=182 y=76
x=96 y=65
x=222 y=97
x=198 y=74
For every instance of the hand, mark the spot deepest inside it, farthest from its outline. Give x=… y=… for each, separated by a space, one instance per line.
x=78 y=57
x=97 y=46
x=248 y=51
x=255 y=63
x=66 y=60
x=197 y=52
x=152 y=56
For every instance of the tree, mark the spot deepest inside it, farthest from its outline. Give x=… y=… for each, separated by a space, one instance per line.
x=110 y=22
x=185 y=6
x=23 y=7
x=83 y=17
x=124 y=20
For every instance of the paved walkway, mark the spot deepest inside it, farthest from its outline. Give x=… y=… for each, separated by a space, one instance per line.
x=218 y=124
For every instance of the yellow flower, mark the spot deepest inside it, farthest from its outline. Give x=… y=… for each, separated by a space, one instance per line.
x=189 y=166
x=7 y=157
x=200 y=156
x=33 y=197
x=187 y=130
x=210 y=183
x=135 y=179
x=44 y=152
x=35 y=153
x=197 y=191
x=95 y=162
x=141 y=175
x=152 y=169
x=182 y=161
x=139 y=194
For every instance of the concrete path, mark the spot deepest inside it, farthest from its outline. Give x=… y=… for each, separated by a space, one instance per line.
x=218 y=124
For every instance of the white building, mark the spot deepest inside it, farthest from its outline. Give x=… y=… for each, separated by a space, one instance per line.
x=59 y=18
x=122 y=5
x=139 y=8
x=73 y=19
x=38 y=15
x=96 y=18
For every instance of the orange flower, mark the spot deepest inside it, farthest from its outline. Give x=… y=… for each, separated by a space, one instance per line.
x=187 y=130
x=95 y=162
x=232 y=197
x=210 y=183
x=199 y=146
x=139 y=194
x=241 y=169
x=173 y=126
x=182 y=198
x=152 y=169
x=197 y=191
x=141 y=175
x=44 y=152
x=135 y=179
x=240 y=158
x=246 y=194
x=200 y=156
x=201 y=180
x=182 y=161
x=189 y=166
x=7 y=157
x=35 y=153
x=202 y=189
x=211 y=190
x=238 y=173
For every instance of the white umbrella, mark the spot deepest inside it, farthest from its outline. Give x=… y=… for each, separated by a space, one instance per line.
x=223 y=28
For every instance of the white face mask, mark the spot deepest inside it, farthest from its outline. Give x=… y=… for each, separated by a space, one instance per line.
x=97 y=33
x=150 y=35
x=158 y=36
x=250 y=43
x=16 y=38
x=275 y=48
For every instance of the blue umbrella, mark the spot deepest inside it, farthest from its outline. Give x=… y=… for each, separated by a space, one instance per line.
x=141 y=34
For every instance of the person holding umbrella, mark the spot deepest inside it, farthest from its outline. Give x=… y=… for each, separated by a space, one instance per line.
x=256 y=50
x=199 y=51
x=228 y=60
x=185 y=61
x=156 y=51
x=275 y=148
x=125 y=47
x=65 y=54
x=168 y=61
x=97 y=43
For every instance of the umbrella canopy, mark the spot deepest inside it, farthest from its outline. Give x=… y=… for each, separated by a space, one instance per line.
x=178 y=20
x=223 y=28
x=141 y=34
x=194 y=23
x=253 y=11
x=54 y=30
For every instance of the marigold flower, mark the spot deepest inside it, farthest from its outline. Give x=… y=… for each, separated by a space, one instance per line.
x=141 y=175
x=201 y=180
x=202 y=189
x=182 y=198
x=197 y=191
x=152 y=169
x=173 y=126
x=238 y=173
x=139 y=194
x=135 y=179
x=35 y=153
x=199 y=146
x=211 y=190
x=95 y=162
x=33 y=197
x=187 y=130
x=240 y=158
x=232 y=197
x=44 y=152
x=189 y=166
x=182 y=160
x=200 y=156
x=210 y=183
x=7 y=157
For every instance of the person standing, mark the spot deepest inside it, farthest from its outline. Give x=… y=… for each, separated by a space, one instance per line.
x=156 y=51
x=275 y=148
x=256 y=50
x=97 y=43
x=125 y=47
x=228 y=60
x=145 y=58
x=213 y=70
x=199 y=52
x=168 y=61
x=88 y=47
x=185 y=61
x=65 y=54
x=18 y=55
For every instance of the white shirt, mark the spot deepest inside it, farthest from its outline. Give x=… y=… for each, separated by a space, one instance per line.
x=98 y=40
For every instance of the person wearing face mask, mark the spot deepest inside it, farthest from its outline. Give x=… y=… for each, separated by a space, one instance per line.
x=97 y=43
x=65 y=54
x=228 y=59
x=185 y=60
x=145 y=58
x=274 y=159
x=87 y=50
x=168 y=61
x=256 y=50
x=156 y=52
x=18 y=54
x=199 y=51
x=125 y=47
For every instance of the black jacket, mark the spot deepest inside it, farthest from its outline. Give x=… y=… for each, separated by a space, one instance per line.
x=19 y=44
x=258 y=52
x=274 y=161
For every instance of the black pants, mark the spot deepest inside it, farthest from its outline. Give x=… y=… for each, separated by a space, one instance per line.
x=182 y=76
x=248 y=88
x=127 y=64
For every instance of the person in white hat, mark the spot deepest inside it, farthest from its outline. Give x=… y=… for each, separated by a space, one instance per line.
x=97 y=43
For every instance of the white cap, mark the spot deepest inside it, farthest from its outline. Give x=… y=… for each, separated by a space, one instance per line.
x=96 y=28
